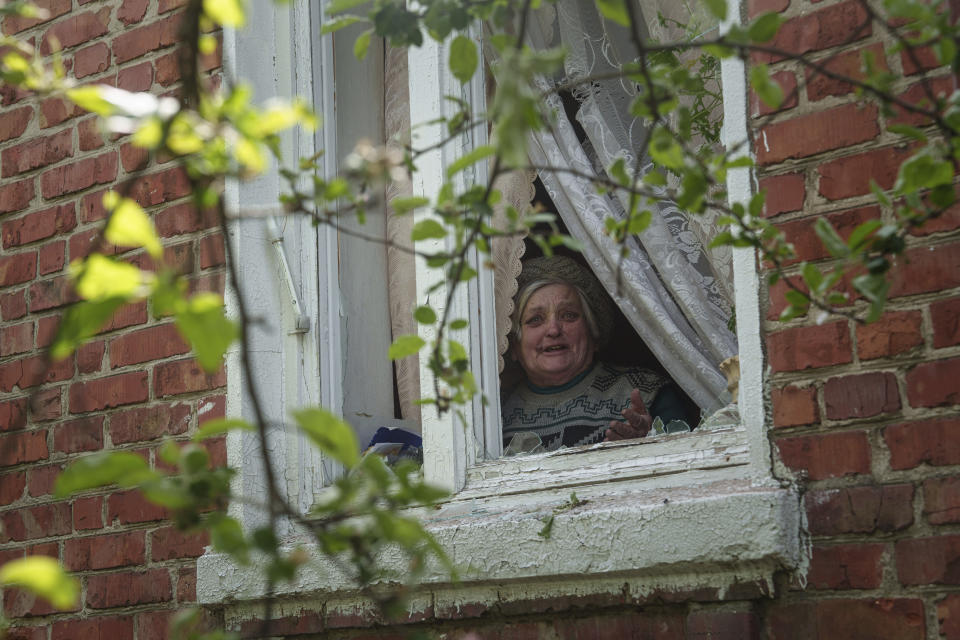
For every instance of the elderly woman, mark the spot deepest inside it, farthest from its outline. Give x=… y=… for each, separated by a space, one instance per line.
x=561 y=318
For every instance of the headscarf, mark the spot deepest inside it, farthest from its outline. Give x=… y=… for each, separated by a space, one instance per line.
x=564 y=270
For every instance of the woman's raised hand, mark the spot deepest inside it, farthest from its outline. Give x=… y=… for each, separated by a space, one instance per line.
x=637 y=423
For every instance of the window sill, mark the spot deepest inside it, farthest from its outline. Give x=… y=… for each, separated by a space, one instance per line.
x=619 y=538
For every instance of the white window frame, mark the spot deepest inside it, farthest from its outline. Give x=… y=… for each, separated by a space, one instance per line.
x=678 y=508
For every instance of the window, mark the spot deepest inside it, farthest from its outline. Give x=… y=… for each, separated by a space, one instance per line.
x=655 y=495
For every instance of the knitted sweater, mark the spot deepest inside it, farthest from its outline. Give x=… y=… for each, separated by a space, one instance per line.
x=579 y=412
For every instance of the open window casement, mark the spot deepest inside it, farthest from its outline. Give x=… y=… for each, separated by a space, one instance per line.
x=668 y=512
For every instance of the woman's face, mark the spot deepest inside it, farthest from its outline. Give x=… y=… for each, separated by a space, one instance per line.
x=555 y=343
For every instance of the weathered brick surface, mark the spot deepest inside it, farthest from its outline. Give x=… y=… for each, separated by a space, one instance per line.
x=794 y=406
x=854 y=566
x=810 y=347
x=941 y=500
x=827 y=456
x=122 y=589
x=861 y=396
x=816 y=133
x=934 y=560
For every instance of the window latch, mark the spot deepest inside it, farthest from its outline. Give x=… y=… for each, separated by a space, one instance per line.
x=302 y=320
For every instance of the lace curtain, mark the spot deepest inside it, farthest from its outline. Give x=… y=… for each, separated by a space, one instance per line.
x=674 y=291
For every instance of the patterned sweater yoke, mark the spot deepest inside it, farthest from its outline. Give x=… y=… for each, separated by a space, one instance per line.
x=579 y=412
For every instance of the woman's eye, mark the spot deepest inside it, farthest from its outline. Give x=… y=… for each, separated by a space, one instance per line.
x=570 y=316
x=533 y=320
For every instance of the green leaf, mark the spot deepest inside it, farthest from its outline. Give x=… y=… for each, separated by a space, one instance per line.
x=332 y=435
x=216 y=427
x=908 y=131
x=718 y=8
x=459 y=324
x=664 y=149
x=425 y=315
x=615 y=10
x=203 y=323
x=618 y=171
x=427 y=229
x=90 y=98
x=130 y=226
x=99 y=278
x=339 y=23
x=768 y=90
x=812 y=277
x=339 y=6
x=81 y=322
x=43 y=576
x=830 y=238
x=765 y=27
x=405 y=205
x=862 y=233
x=101 y=469
x=362 y=44
x=463 y=58
x=229 y=13
x=404 y=346
x=474 y=156
x=226 y=535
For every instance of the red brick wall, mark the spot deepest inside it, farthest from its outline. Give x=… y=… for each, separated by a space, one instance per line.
x=133 y=384
x=865 y=415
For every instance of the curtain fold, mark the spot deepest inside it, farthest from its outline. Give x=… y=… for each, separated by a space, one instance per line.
x=670 y=287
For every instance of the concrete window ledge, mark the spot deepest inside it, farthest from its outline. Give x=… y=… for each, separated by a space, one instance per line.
x=621 y=543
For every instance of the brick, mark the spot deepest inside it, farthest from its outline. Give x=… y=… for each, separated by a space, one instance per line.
x=152 y=343
x=45 y=405
x=831 y=455
x=783 y=193
x=946 y=220
x=54 y=9
x=91 y=60
x=861 y=396
x=74 y=436
x=149 y=423
x=850 y=176
x=132 y=11
x=13 y=414
x=37 y=370
x=304 y=623
x=154 y=625
x=88 y=513
x=16 y=195
x=945 y=317
x=133 y=158
x=846 y=566
x=47 y=328
x=212 y=251
x=51 y=258
x=184 y=376
x=934 y=384
x=183 y=218
x=13 y=122
x=94 y=628
x=89 y=134
x=179 y=258
x=12 y=486
x=23 y=447
x=91 y=207
x=50 y=294
x=41 y=480
x=12 y=305
x=848 y=63
x=807 y=244
x=168 y=543
x=934 y=442
x=20 y=603
x=787 y=81
x=134 y=43
x=77 y=29
x=127 y=316
x=948 y=616
x=167 y=69
x=941 y=500
x=169 y=5
x=810 y=347
x=918 y=59
x=756 y=7
x=39 y=226
x=123 y=589
x=817 y=132
x=713 y=624
x=80 y=175
x=16 y=338
x=933 y=560
x=894 y=333
x=187 y=584
x=130 y=507
x=160 y=187
x=917 y=94
x=90 y=357
x=926 y=270
x=138 y=77
x=30 y=523
x=104 y=393
x=53 y=111
x=104 y=552
x=837 y=24
x=850 y=619
x=18 y=268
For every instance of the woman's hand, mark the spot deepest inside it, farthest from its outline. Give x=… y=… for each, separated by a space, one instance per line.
x=637 y=424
